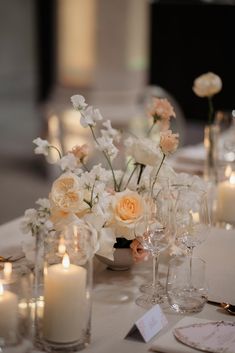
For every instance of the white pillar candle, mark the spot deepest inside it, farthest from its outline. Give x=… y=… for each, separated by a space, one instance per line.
x=64 y=299
x=226 y=200
x=8 y=315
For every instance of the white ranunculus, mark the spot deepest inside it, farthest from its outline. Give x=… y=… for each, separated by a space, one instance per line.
x=78 y=102
x=42 y=146
x=207 y=85
x=143 y=150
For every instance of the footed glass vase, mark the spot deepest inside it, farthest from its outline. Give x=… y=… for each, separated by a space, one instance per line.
x=211 y=139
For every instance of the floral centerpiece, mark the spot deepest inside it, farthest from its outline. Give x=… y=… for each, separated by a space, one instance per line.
x=104 y=202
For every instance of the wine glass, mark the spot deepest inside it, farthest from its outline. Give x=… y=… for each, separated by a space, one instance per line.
x=153 y=237
x=159 y=202
x=192 y=219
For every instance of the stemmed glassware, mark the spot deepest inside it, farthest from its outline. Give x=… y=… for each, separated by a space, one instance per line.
x=192 y=219
x=152 y=233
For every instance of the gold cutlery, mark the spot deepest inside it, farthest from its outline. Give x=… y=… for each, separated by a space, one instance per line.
x=230 y=308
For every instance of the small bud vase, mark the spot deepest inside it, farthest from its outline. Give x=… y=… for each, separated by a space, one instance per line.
x=211 y=137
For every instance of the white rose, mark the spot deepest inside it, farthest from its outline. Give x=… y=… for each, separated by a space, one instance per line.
x=143 y=150
x=207 y=85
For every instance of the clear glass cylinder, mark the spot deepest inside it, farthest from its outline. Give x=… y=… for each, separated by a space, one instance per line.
x=211 y=138
x=186 y=284
x=63 y=293
x=15 y=309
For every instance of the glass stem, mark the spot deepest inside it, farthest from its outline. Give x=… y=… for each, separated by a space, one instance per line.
x=190 y=266
x=155 y=272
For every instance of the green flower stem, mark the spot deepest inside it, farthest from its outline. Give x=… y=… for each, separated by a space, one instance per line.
x=150 y=129
x=124 y=173
x=211 y=110
x=107 y=159
x=132 y=173
x=92 y=193
x=87 y=202
x=85 y=167
x=160 y=165
x=55 y=148
x=142 y=166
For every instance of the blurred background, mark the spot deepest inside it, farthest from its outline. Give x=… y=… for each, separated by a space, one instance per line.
x=117 y=53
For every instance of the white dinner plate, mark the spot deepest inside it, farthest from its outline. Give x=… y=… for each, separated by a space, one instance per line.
x=216 y=337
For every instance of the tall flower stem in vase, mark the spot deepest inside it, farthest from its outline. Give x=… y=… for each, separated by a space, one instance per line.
x=206 y=86
x=211 y=136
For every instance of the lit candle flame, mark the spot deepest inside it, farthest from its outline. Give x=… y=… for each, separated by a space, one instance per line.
x=232 y=178
x=228 y=171
x=66 y=261
x=7 y=269
x=1 y=289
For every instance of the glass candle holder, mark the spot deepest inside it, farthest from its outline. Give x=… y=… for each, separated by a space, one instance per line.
x=186 y=284
x=225 y=201
x=63 y=292
x=15 y=318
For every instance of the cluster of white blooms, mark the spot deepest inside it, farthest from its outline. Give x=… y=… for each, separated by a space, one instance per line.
x=37 y=220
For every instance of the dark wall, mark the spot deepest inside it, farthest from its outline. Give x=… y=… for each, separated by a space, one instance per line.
x=188 y=40
x=45 y=15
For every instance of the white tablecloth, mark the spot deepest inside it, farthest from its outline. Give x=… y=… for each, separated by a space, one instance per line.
x=114 y=310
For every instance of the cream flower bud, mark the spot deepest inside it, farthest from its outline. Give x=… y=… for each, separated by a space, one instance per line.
x=169 y=142
x=207 y=85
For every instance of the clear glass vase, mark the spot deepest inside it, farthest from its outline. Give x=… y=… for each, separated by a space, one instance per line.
x=63 y=283
x=211 y=140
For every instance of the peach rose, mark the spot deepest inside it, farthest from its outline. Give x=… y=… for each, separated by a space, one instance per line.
x=138 y=252
x=80 y=152
x=66 y=195
x=162 y=111
x=128 y=208
x=168 y=142
x=207 y=85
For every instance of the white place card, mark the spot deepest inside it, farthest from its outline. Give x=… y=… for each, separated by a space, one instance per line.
x=148 y=325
